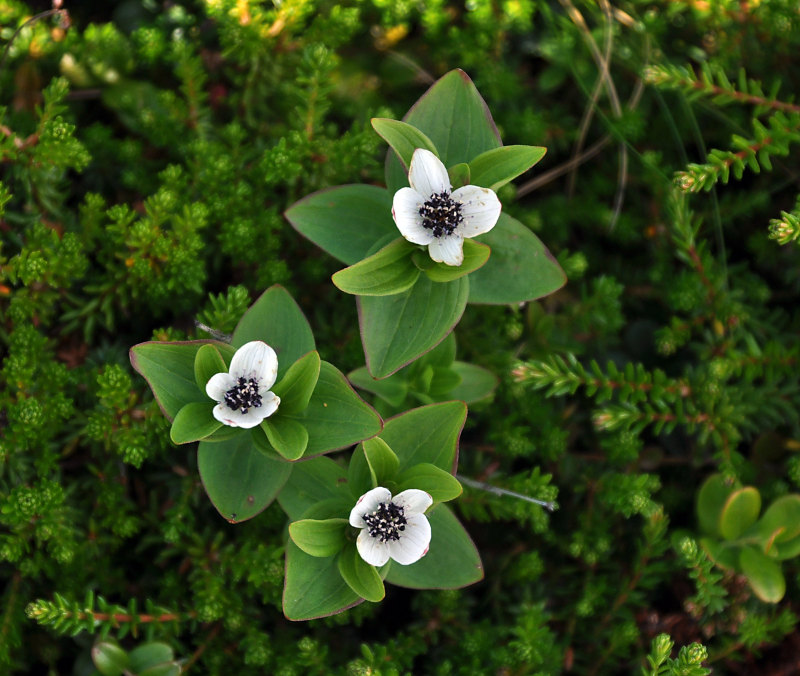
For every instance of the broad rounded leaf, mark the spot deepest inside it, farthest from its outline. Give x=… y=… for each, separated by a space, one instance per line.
x=396 y=330
x=427 y=434
x=319 y=538
x=451 y=562
x=207 y=363
x=439 y=484
x=387 y=272
x=402 y=137
x=152 y=656
x=361 y=577
x=297 y=386
x=711 y=500
x=345 y=221
x=496 y=167
x=109 y=658
x=168 y=367
x=313 y=586
x=194 y=422
x=783 y=514
x=520 y=268
x=277 y=320
x=739 y=512
x=723 y=556
x=475 y=256
x=287 y=436
x=240 y=480
x=763 y=574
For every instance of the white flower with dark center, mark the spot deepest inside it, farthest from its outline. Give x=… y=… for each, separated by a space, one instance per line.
x=243 y=394
x=431 y=213
x=392 y=527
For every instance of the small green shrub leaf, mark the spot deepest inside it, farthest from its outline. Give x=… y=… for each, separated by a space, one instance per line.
x=763 y=574
x=496 y=167
x=109 y=658
x=475 y=256
x=387 y=272
x=194 y=422
x=739 y=512
x=361 y=577
x=710 y=502
x=319 y=538
x=297 y=385
x=725 y=557
x=240 y=480
x=403 y=138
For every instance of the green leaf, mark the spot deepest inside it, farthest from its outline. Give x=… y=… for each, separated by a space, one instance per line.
x=443 y=381
x=459 y=175
x=763 y=574
x=240 y=480
x=427 y=434
x=387 y=272
x=313 y=586
x=194 y=422
x=207 y=363
x=520 y=268
x=287 y=436
x=711 y=500
x=392 y=390
x=151 y=655
x=297 y=385
x=725 y=557
x=311 y=482
x=395 y=330
x=345 y=221
x=382 y=461
x=494 y=168
x=783 y=515
x=477 y=383
x=361 y=577
x=109 y=658
x=455 y=118
x=319 y=538
x=168 y=367
x=739 y=512
x=451 y=562
x=475 y=256
x=439 y=484
x=169 y=669
x=336 y=417
x=402 y=137
x=277 y=320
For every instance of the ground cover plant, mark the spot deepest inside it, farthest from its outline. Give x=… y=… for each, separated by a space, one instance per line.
x=210 y=214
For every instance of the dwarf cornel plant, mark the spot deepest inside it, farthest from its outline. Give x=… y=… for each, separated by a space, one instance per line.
x=307 y=307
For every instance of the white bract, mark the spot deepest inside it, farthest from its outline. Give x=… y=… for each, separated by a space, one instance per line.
x=431 y=213
x=243 y=396
x=392 y=527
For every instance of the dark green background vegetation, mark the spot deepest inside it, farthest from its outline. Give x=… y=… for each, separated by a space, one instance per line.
x=147 y=152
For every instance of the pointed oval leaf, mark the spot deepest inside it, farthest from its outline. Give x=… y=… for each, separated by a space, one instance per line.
x=763 y=574
x=297 y=385
x=240 y=480
x=387 y=272
x=336 y=417
x=287 y=436
x=313 y=586
x=392 y=390
x=477 y=383
x=739 y=512
x=440 y=485
x=451 y=562
x=444 y=381
x=194 y=422
x=168 y=368
x=427 y=434
x=382 y=461
x=207 y=363
x=475 y=256
x=277 y=320
x=312 y=482
x=494 y=168
x=402 y=137
x=396 y=330
x=711 y=500
x=345 y=221
x=361 y=577
x=319 y=538
x=454 y=116
x=520 y=268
